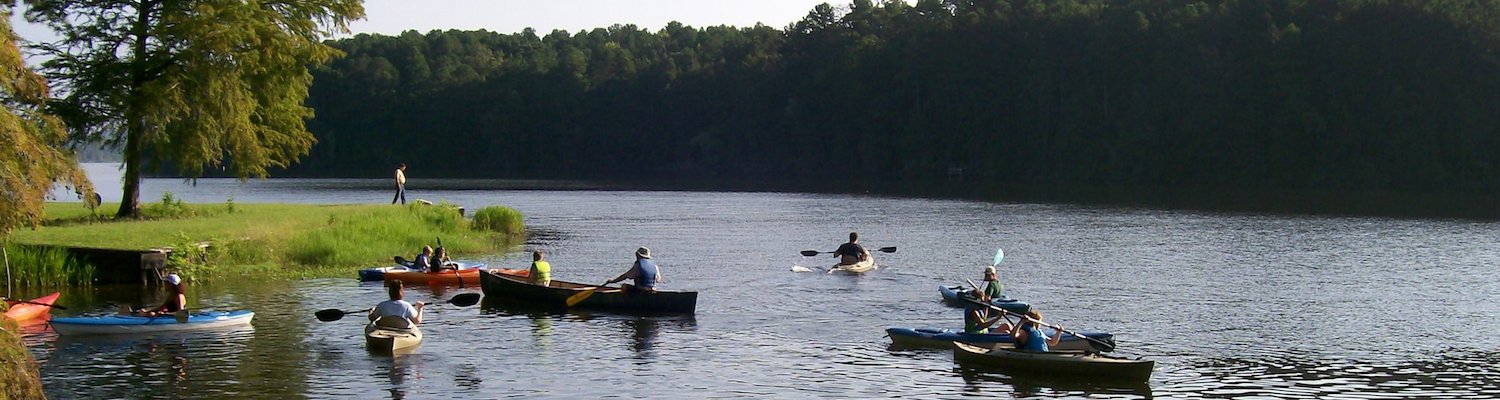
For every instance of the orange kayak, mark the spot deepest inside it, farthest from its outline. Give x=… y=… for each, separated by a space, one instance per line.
x=469 y=276
x=26 y=313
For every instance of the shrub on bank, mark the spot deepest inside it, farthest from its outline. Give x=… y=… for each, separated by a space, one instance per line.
x=19 y=377
x=500 y=219
x=46 y=266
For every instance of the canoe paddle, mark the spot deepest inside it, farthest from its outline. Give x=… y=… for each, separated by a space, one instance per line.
x=578 y=298
x=3 y=298
x=810 y=253
x=334 y=314
x=1096 y=343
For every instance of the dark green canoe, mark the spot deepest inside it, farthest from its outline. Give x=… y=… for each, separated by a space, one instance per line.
x=1073 y=364
x=557 y=293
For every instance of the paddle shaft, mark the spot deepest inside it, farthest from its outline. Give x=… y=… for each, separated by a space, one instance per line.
x=810 y=253
x=1026 y=318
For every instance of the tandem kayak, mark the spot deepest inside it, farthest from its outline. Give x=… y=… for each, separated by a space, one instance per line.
x=391 y=334
x=557 y=293
x=951 y=296
x=1055 y=363
x=129 y=324
x=378 y=274
x=856 y=268
x=941 y=338
x=462 y=276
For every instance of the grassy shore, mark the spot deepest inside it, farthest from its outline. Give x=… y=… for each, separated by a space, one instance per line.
x=271 y=240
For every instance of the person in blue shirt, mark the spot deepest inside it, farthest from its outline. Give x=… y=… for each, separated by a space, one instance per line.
x=1030 y=338
x=644 y=273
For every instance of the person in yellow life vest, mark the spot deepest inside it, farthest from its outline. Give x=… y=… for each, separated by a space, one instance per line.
x=541 y=271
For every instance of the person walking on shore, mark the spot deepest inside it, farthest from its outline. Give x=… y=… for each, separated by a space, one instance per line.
x=400 y=184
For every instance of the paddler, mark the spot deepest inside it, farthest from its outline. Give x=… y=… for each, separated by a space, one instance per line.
x=643 y=272
x=1030 y=338
x=176 y=300
x=397 y=306
x=541 y=271
x=977 y=315
x=851 y=253
x=992 y=286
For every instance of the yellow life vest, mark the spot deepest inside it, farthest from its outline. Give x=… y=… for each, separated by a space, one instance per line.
x=541 y=271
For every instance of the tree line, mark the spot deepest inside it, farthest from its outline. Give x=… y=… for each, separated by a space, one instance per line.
x=1384 y=95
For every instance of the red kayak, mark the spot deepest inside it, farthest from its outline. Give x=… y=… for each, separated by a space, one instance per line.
x=27 y=313
x=452 y=277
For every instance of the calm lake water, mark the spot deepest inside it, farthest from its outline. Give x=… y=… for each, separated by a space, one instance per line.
x=1229 y=305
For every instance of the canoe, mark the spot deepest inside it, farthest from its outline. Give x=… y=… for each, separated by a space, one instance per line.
x=942 y=338
x=378 y=274
x=392 y=335
x=555 y=295
x=463 y=276
x=26 y=313
x=1073 y=364
x=951 y=297
x=857 y=268
x=127 y=324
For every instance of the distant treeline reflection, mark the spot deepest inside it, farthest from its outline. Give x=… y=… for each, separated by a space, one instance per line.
x=1258 y=96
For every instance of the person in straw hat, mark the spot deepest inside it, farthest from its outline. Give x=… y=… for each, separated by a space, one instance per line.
x=644 y=273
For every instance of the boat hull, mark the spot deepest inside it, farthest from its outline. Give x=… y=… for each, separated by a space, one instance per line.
x=557 y=293
x=857 y=268
x=378 y=274
x=125 y=324
x=951 y=296
x=392 y=340
x=941 y=338
x=26 y=313
x=450 y=277
x=1060 y=363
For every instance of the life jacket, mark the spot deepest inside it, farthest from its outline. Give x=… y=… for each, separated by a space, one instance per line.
x=1035 y=340
x=542 y=271
x=647 y=278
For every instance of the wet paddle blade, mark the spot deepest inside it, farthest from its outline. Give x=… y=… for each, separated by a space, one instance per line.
x=330 y=315
x=464 y=300
x=402 y=261
x=581 y=296
x=891 y=249
x=999 y=256
x=809 y=253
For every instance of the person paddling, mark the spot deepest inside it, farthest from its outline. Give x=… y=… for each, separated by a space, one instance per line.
x=977 y=316
x=439 y=261
x=396 y=306
x=425 y=258
x=852 y=252
x=643 y=272
x=176 y=300
x=992 y=286
x=1030 y=338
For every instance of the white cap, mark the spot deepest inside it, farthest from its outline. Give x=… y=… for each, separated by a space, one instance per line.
x=173 y=279
x=989 y=269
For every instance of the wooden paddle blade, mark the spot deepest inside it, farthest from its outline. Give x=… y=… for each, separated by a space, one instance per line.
x=809 y=253
x=330 y=315
x=465 y=299
x=891 y=249
x=581 y=296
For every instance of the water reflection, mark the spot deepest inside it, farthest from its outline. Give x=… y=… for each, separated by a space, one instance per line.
x=174 y=365
x=1455 y=373
x=981 y=380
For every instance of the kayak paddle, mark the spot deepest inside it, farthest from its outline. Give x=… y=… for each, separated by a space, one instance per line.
x=402 y=262
x=810 y=253
x=3 y=298
x=334 y=314
x=1096 y=343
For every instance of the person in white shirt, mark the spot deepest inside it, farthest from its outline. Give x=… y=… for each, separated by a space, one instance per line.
x=400 y=184
x=396 y=306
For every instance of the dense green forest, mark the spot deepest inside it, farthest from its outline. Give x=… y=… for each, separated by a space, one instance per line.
x=1383 y=95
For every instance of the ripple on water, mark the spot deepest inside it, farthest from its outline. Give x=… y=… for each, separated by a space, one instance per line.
x=1459 y=373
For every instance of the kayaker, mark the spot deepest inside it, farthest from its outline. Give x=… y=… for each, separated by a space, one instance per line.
x=439 y=261
x=396 y=306
x=643 y=272
x=992 y=287
x=541 y=271
x=977 y=315
x=852 y=252
x=1030 y=338
x=176 y=300
x=425 y=258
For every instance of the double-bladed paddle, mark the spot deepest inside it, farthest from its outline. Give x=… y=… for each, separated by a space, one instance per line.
x=403 y=262
x=810 y=253
x=3 y=298
x=334 y=314
x=1096 y=343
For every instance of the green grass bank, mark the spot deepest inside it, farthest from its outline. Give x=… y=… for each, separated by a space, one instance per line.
x=273 y=241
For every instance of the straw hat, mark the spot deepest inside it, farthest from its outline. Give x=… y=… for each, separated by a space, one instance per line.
x=643 y=252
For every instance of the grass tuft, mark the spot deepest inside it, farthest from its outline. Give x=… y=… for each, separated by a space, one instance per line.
x=46 y=266
x=500 y=219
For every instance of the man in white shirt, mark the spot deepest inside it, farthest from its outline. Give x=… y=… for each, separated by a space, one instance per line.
x=396 y=306
x=400 y=184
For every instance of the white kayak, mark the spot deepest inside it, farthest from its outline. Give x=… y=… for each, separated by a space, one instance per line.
x=128 y=324
x=391 y=334
x=857 y=268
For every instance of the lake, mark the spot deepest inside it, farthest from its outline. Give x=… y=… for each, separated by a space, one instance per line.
x=1229 y=305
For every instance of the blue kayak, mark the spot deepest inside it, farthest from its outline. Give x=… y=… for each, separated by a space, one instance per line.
x=951 y=297
x=941 y=338
x=378 y=274
x=127 y=324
